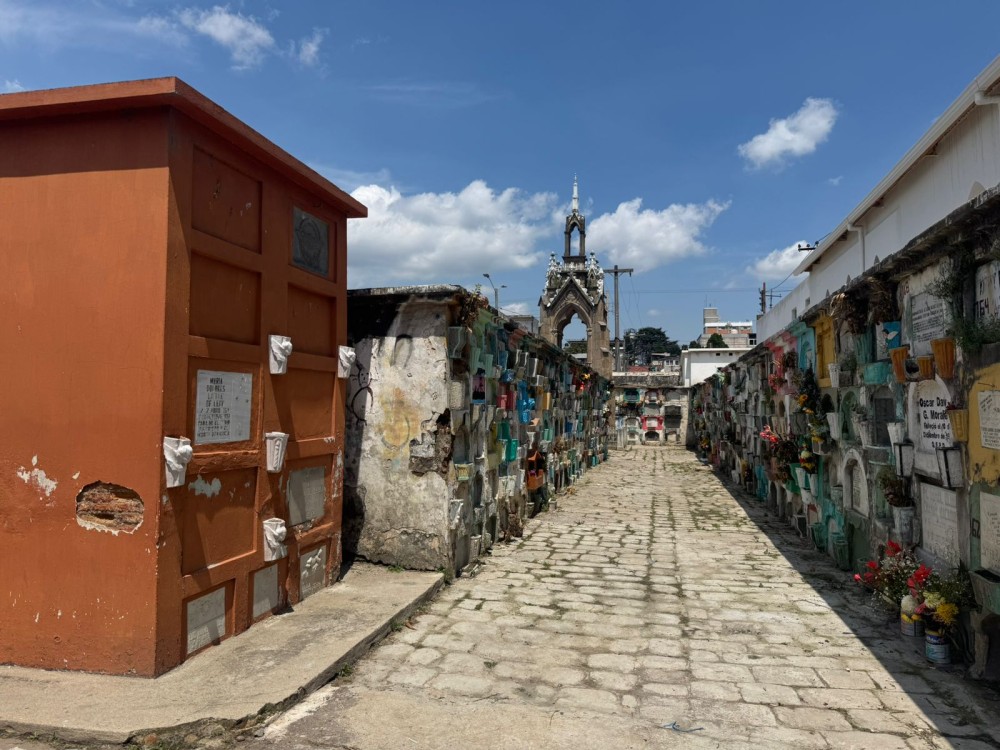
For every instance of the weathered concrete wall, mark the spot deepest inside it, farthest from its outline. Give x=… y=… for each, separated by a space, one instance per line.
x=399 y=440
x=446 y=398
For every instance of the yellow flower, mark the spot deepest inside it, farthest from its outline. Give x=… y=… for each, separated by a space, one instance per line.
x=946 y=613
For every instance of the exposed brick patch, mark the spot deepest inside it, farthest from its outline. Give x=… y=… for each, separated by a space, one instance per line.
x=102 y=505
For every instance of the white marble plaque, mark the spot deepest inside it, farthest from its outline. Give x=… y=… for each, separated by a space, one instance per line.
x=988 y=291
x=222 y=407
x=989 y=418
x=933 y=426
x=989 y=531
x=265 y=591
x=306 y=494
x=930 y=321
x=206 y=619
x=312 y=571
x=939 y=521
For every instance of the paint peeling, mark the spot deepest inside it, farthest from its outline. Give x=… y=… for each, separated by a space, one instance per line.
x=76 y=476
x=209 y=489
x=38 y=478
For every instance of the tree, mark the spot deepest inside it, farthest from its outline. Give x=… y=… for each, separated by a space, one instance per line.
x=642 y=344
x=715 y=341
x=579 y=346
x=694 y=344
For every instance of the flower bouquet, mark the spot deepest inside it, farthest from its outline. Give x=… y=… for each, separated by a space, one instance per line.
x=938 y=599
x=889 y=576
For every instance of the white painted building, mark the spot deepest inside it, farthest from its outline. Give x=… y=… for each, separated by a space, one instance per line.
x=697 y=365
x=955 y=161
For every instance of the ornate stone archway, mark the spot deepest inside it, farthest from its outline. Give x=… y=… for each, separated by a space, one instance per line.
x=576 y=287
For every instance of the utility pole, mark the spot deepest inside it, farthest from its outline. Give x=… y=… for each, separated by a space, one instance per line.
x=617 y=272
x=496 y=292
x=767 y=298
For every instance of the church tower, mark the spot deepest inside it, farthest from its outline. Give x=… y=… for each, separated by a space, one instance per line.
x=576 y=285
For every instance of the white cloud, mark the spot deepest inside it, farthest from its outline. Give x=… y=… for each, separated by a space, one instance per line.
x=433 y=237
x=247 y=40
x=10 y=87
x=796 y=135
x=161 y=29
x=835 y=181
x=517 y=308
x=307 y=50
x=778 y=264
x=645 y=239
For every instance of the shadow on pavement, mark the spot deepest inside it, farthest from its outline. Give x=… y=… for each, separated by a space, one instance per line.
x=948 y=701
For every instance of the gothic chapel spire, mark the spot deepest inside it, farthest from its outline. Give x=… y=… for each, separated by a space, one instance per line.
x=579 y=222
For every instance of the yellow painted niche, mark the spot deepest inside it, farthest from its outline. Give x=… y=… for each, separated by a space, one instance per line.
x=826 y=353
x=984 y=463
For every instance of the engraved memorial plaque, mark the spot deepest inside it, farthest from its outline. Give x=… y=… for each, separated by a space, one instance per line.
x=933 y=428
x=306 y=494
x=930 y=321
x=206 y=619
x=265 y=591
x=939 y=522
x=312 y=572
x=310 y=243
x=989 y=419
x=222 y=407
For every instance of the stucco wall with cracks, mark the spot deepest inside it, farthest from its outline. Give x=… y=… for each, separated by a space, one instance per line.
x=398 y=441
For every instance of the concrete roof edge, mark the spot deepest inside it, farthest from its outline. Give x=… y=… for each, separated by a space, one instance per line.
x=437 y=291
x=965 y=101
x=173 y=92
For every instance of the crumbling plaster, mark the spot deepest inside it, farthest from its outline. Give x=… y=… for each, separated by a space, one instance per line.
x=389 y=432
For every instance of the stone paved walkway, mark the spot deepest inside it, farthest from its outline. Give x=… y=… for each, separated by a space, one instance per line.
x=650 y=597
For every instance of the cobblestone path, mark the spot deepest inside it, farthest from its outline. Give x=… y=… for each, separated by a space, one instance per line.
x=651 y=601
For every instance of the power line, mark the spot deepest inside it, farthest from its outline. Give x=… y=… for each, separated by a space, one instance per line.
x=694 y=291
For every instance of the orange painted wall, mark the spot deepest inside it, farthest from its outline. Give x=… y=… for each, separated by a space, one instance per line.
x=83 y=211
x=141 y=244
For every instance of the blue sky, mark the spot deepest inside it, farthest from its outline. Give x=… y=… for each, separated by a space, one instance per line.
x=708 y=137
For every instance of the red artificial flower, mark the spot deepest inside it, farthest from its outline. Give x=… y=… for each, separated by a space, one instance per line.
x=922 y=574
x=892 y=549
x=857 y=577
x=872 y=565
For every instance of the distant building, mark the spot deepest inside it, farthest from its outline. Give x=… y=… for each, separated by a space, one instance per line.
x=737 y=333
x=528 y=322
x=697 y=365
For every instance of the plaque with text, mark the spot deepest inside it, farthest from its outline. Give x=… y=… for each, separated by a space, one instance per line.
x=222 y=407
x=989 y=531
x=989 y=419
x=988 y=291
x=933 y=428
x=930 y=321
